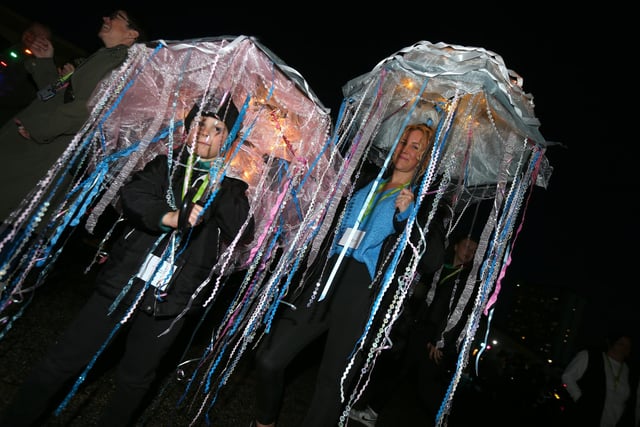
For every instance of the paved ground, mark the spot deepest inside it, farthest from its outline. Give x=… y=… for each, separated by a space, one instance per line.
x=55 y=304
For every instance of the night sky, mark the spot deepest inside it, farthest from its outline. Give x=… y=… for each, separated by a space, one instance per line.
x=573 y=230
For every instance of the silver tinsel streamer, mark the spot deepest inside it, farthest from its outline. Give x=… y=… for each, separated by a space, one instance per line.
x=138 y=112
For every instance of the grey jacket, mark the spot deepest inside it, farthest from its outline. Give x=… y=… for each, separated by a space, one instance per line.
x=52 y=123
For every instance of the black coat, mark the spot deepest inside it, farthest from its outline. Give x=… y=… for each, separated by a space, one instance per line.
x=435 y=317
x=144 y=204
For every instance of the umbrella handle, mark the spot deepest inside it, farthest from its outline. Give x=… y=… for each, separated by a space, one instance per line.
x=185 y=210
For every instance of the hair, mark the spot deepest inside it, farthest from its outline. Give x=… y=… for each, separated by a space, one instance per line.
x=426 y=140
x=455 y=239
x=224 y=110
x=135 y=23
x=614 y=333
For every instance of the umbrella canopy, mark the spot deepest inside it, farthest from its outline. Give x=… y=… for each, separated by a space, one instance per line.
x=488 y=150
x=492 y=121
x=281 y=123
x=283 y=150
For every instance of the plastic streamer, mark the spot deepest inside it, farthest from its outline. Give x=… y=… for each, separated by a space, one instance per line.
x=298 y=167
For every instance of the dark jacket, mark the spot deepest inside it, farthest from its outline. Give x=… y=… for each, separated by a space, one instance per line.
x=144 y=204
x=587 y=411
x=434 y=317
x=66 y=112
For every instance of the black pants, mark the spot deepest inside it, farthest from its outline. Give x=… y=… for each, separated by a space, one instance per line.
x=394 y=364
x=74 y=350
x=408 y=360
x=343 y=316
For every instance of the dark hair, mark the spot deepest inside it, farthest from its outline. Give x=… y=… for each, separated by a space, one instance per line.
x=454 y=239
x=615 y=332
x=224 y=110
x=135 y=23
x=459 y=237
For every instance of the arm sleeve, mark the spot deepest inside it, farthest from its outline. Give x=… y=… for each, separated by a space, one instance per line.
x=232 y=209
x=573 y=372
x=144 y=199
x=42 y=70
x=53 y=117
x=48 y=123
x=433 y=258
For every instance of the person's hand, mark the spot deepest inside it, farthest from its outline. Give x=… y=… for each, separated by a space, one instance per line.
x=67 y=68
x=22 y=130
x=193 y=215
x=404 y=199
x=435 y=353
x=41 y=47
x=171 y=219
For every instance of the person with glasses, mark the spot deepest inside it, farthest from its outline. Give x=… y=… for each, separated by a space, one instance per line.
x=177 y=222
x=35 y=137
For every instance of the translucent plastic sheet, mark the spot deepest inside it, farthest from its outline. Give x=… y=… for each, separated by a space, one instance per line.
x=494 y=117
x=283 y=151
x=488 y=150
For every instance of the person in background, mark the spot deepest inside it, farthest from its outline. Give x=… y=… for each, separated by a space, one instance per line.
x=345 y=310
x=36 y=30
x=128 y=283
x=17 y=87
x=416 y=338
x=599 y=383
x=37 y=135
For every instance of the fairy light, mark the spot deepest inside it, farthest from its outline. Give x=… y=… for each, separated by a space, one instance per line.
x=408 y=84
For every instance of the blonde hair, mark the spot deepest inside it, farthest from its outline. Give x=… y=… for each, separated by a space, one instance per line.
x=427 y=140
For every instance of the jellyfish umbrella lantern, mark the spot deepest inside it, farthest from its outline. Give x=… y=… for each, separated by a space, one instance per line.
x=279 y=144
x=488 y=151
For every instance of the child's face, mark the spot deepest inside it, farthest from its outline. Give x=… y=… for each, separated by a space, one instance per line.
x=210 y=136
x=466 y=250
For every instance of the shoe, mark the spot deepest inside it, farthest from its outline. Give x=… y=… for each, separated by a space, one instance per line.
x=366 y=416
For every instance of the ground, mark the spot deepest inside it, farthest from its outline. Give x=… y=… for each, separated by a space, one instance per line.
x=54 y=304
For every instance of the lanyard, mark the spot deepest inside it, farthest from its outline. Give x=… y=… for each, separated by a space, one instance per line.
x=374 y=200
x=452 y=273
x=186 y=185
x=616 y=376
x=201 y=189
x=187 y=176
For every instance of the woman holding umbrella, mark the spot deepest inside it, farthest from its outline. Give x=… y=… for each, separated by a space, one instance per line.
x=343 y=314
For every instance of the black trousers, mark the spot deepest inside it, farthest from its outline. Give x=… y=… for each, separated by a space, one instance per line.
x=394 y=364
x=67 y=358
x=343 y=316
